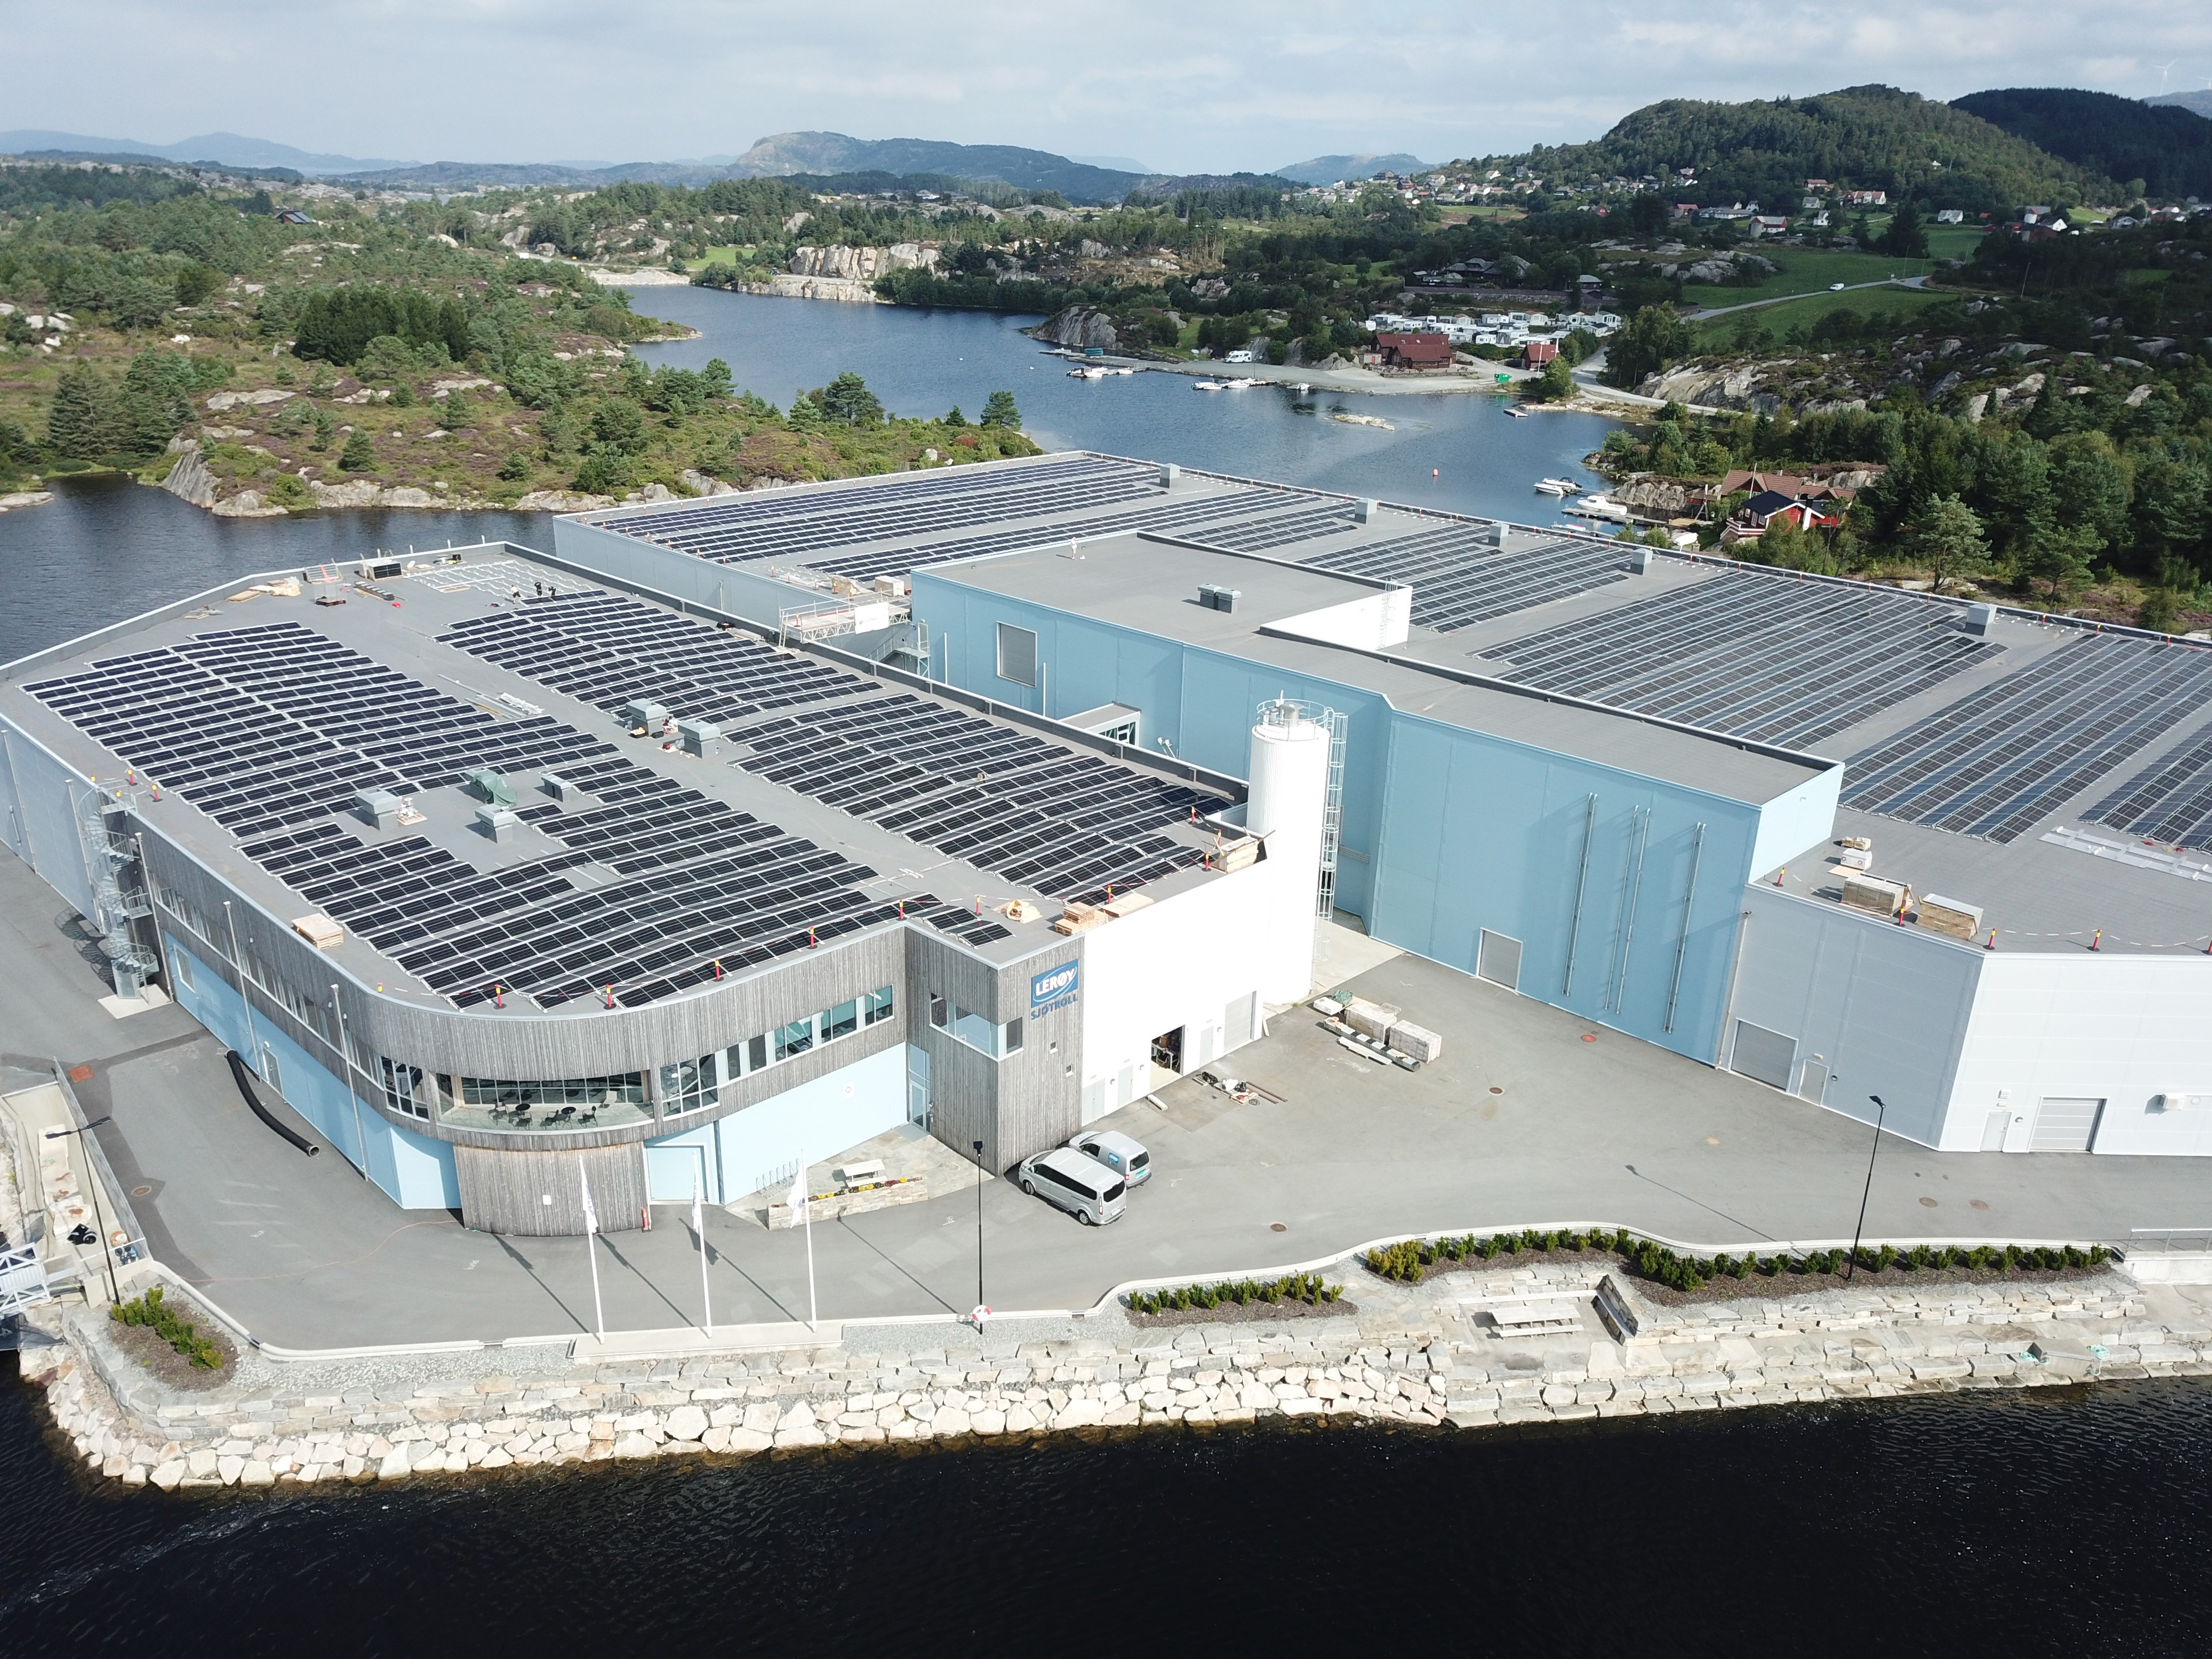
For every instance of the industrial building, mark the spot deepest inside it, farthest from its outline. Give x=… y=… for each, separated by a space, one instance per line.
x=736 y=831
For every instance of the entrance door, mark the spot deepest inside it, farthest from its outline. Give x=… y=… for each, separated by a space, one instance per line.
x=670 y=1171
x=1167 y=1051
x=1764 y=1055
x=917 y=1084
x=2065 y=1124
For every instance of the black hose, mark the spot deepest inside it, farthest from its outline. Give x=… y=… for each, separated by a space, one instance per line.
x=244 y=1073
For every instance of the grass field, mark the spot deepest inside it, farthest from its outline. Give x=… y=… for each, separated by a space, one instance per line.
x=1809 y=270
x=1778 y=320
x=1954 y=241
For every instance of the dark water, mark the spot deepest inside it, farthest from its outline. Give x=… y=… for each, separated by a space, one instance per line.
x=1991 y=1524
x=2005 y=1524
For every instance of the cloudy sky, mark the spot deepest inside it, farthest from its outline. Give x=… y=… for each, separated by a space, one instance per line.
x=1184 y=87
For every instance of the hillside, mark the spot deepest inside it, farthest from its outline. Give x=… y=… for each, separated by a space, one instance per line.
x=1329 y=169
x=2161 y=151
x=2200 y=100
x=224 y=149
x=787 y=153
x=382 y=354
x=1864 y=137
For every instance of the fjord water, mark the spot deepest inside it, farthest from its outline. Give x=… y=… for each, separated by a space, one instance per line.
x=2066 y=1521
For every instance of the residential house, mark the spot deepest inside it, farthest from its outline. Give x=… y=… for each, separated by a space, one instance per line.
x=1950 y=217
x=1772 y=507
x=1768 y=224
x=1422 y=352
x=1535 y=354
x=1865 y=198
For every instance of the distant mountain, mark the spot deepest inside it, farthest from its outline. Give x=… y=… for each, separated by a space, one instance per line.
x=2199 y=101
x=785 y=153
x=1115 y=163
x=225 y=149
x=1330 y=169
x=2169 y=149
x=1870 y=137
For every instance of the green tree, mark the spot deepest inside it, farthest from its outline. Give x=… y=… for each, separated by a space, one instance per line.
x=999 y=410
x=2057 y=557
x=86 y=421
x=2091 y=486
x=515 y=468
x=620 y=423
x=956 y=418
x=847 y=401
x=604 y=471
x=359 y=455
x=195 y=283
x=326 y=428
x=1653 y=338
x=1555 y=382
x=1647 y=217
x=1904 y=237
x=1945 y=536
x=2159 y=610
x=139 y=301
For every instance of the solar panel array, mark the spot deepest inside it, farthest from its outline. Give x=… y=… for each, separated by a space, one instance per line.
x=261 y=727
x=706 y=890
x=1998 y=760
x=2169 y=800
x=1178 y=515
x=1281 y=529
x=1069 y=825
x=1459 y=576
x=606 y=649
x=1753 y=654
x=794 y=525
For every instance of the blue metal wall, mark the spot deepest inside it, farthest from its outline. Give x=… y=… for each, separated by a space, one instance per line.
x=1446 y=831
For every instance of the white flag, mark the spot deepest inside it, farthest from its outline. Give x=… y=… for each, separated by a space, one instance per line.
x=798 y=1198
x=698 y=1217
x=591 y=1216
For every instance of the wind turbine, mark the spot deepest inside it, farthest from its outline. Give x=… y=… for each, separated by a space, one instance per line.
x=2164 y=70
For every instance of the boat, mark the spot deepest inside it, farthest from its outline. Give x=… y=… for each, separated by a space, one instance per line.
x=1599 y=507
x=1092 y=372
x=1208 y=386
x=1556 y=486
x=1244 y=385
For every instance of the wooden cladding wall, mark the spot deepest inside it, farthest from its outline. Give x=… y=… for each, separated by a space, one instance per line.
x=508 y=1192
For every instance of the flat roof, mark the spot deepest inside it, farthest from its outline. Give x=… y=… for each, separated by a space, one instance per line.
x=1966 y=740
x=259 y=715
x=1150 y=583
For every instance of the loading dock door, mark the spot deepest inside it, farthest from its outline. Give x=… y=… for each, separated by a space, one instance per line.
x=2065 y=1124
x=1767 y=1055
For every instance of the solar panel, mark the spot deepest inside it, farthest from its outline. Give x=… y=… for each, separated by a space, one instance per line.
x=2001 y=759
x=2170 y=800
x=1752 y=653
x=1461 y=574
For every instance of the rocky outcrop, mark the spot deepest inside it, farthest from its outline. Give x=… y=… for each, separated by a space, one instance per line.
x=25 y=498
x=1659 y=498
x=699 y=483
x=225 y=400
x=1726 y=385
x=862 y=264
x=561 y=500
x=1080 y=327
x=246 y=504
x=1722 y=269
x=188 y=480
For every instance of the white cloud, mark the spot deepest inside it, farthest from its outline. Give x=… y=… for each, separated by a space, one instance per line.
x=1239 y=84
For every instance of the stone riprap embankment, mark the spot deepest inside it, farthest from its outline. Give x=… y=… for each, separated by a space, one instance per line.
x=1422 y=1355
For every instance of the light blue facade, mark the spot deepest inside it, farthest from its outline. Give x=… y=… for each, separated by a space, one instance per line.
x=1446 y=832
x=749 y=1150
x=416 y=1171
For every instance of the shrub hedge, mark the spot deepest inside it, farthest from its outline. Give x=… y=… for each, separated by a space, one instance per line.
x=1409 y=1260
x=1238 y=1292
x=150 y=1310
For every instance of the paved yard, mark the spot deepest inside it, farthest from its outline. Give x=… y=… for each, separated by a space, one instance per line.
x=1520 y=1122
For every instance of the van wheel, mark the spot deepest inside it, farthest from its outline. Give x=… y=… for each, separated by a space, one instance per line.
x=1084 y=1216
x=1030 y=1187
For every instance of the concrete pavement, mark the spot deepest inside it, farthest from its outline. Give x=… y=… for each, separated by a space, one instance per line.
x=1521 y=1123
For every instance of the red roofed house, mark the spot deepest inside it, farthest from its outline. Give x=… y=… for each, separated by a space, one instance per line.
x=1415 y=351
x=1535 y=354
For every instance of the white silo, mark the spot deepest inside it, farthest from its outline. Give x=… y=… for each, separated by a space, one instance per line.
x=1287 y=805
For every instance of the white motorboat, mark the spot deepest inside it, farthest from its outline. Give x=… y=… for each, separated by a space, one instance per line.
x=1243 y=385
x=1090 y=372
x=1599 y=507
x=1209 y=385
x=1556 y=486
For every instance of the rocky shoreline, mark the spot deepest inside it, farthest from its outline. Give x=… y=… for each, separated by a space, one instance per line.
x=1430 y=1355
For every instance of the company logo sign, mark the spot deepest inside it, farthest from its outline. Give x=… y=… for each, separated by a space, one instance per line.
x=1054 y=989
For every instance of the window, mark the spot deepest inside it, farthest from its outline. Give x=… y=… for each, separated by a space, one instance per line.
x=1011 y=1043
x=875 y=1006
x=689 y=1085
x=842 y=1021
x=939 y=1015
x=755 y=1050
x=795 y=1038
x=183 y=964
x=402 y=1089
x=978 y=1031
x=571 y=1102
x=1017 y=654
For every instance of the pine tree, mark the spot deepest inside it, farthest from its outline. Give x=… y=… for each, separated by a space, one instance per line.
x=84 y=423
x=999 y=410
x=358 y=455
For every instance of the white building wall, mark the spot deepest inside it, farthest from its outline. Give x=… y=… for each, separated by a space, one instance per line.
x=1790 y=824
x=2121 y=1029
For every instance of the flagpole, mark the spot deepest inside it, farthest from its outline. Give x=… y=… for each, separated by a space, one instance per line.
x=591 y=1231
x=699 y=1226
x=812 y=1323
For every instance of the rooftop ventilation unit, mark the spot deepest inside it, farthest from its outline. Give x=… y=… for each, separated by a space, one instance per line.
x=497 y=822
x=1640 y=561
x=699 y=735
x=1169 y=473
x=488 y=786
x=1981 y=618
x=1219 y=599
x=560 y=787
x=1366 y=510
x=378 y=806
x=643 y=711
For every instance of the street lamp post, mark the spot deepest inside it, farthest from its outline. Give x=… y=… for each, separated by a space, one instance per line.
x=92 y=1178
x=981 y=1310
x=1880 y=1111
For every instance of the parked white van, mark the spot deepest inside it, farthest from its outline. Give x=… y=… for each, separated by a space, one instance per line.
x=1239 y=357
x=1090 y=1191
x=1125 y=1156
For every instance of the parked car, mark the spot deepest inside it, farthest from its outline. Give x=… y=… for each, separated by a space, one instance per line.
x=1835 y=287
x=1090 y=1192
x=1118 y=1152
